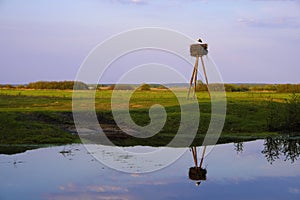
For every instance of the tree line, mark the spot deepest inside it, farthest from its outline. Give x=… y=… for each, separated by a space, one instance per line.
x=69 y=85
x=279 y=88
x=53 y=85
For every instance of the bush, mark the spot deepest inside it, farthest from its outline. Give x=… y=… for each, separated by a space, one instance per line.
x=144 y=87
x=200 y=87
x=236 y=88
x=284 y=116
x=123 y=87
x=162 y=87
x=62 y=85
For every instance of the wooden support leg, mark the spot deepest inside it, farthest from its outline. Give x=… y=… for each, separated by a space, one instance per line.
x=202 y=158
x=205 y=74
x=195 y=80
x=191 y=83
x=193 y=76
x=194 y=151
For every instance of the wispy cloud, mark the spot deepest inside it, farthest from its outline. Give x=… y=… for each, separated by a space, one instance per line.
x=91 y=188
x=136 y=2
x=294 y=190
x=285 y=22
x=99 y=192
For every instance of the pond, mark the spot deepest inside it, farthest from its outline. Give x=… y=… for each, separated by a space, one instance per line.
x=261 y=169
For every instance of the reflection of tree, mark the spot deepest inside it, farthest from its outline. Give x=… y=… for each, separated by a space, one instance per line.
x=291 y=149
x=238 y=147
x=275 y=147
x=271 y=149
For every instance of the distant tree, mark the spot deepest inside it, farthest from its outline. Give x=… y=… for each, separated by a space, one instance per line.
x=123 y=87
x=162 y=87
x=20 y=86
x=111 y=87
x=200 y=87
x=145 y=87
x=7 y=86
x=62 y=85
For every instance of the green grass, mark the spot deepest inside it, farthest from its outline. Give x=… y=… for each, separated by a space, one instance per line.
x=45 y=116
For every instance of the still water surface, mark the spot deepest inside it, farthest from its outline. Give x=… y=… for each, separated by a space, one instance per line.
x=249 y=170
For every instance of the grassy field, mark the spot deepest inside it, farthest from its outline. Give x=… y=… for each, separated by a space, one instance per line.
x=45 y=116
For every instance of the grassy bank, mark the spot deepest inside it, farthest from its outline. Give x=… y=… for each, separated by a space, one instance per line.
x=45 y=116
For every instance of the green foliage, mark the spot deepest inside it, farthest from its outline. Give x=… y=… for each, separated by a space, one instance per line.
x=6 y=86
x=162 y=87
x=31 y=128
x=62 y=85
x=36 y=116
x=284 y=116
x=236 y=88
x=290 y=88
x=121 y=87
x=144 y=87
x=201 y=87
x=280 y=88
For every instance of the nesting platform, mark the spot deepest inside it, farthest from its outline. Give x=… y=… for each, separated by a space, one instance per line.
x=198 y=50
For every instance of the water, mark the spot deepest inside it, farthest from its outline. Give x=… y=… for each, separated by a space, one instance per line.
x=239 y=171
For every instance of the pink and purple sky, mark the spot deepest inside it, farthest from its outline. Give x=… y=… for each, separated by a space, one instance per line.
x=251 y=41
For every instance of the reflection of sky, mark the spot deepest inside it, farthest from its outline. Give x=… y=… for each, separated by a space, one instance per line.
x=47 y=174
x=251 y=41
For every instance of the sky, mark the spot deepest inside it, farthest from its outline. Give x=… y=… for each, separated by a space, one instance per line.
x=251 y=41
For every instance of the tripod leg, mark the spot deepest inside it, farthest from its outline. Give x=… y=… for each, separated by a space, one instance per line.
x=202 y=158
x=191 y=83
x=205 y=74
x=194 y=151
x=193 y=76
x=195 y=80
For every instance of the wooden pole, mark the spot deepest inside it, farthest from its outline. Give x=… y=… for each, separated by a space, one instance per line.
x=194 y=151
x=195 y=79
x=203 y=153
x=205 y=74
x=191 y=83
x=194 y=76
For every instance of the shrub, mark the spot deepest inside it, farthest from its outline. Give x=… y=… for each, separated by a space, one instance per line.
x=284 y=116
x=123 y=87
x=62 y=85
x=144 y=87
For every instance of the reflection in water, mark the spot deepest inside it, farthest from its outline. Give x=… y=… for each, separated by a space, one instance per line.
x=282 y=146
x=69 y=172
x=276 y=148
x=238 y=147
x=197 y=173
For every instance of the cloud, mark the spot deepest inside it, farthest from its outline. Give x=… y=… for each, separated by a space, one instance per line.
x=284 y=22
x=294 y=190
x=136 y=2
x=91 y=188
x=77 y=196
x=98 y=192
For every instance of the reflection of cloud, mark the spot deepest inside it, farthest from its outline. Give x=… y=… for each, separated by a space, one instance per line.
x=91 y=188
x=137 y=2
x=284 y=22
x=72 y=191
x=135 y=175
x=294 y=190
x=76 y=196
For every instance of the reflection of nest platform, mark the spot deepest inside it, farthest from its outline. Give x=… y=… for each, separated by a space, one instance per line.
x=197 y=50
x=197 y=174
